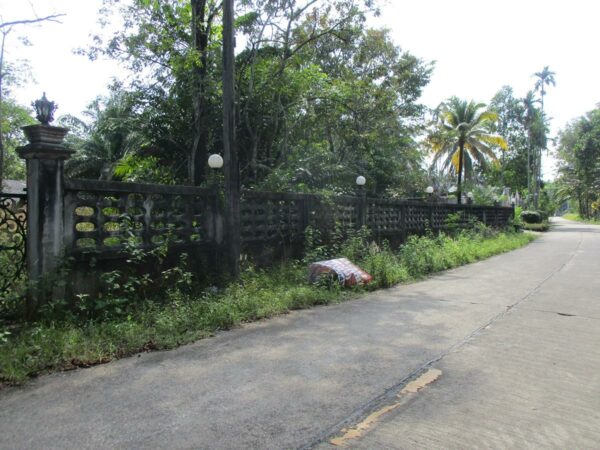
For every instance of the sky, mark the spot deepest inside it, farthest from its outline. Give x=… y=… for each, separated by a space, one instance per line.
x=477 y=46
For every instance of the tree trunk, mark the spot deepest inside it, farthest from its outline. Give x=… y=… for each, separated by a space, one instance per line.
x=199 y=152
x=529 y=172
x=230 y=153
x=460 y=169
x=1 y=117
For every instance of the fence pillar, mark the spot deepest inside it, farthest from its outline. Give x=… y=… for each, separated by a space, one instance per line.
x=45 y=156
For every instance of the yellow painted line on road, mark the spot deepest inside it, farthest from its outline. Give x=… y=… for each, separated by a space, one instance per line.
x=427 y=378
x=365 y=425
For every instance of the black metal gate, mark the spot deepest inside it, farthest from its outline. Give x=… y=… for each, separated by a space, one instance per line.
x=13 y=236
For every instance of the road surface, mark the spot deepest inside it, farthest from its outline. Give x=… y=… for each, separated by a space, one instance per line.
x=502 y=353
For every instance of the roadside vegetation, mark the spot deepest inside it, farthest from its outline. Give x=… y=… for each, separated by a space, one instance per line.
x=532 y=220
x=98 y=331
x=577 y=217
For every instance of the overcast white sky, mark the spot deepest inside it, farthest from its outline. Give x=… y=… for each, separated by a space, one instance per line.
x=478 y=46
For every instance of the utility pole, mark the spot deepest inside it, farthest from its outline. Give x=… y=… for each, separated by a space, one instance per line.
x=232 y=173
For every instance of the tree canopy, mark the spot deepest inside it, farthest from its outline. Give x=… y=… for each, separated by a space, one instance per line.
x=321 y=97
x=462 y=137
x=579 y=163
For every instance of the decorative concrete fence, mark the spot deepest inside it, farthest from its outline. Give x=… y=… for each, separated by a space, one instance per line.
x=92 y=223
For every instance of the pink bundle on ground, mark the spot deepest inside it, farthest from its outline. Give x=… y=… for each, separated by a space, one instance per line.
x=347 y=273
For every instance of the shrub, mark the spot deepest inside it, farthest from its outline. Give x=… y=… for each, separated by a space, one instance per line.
x=531 y=217
x=544 y=215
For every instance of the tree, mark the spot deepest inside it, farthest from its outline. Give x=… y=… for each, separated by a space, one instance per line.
x=534 y=123
x=176 y=44
x=109 y=132
x=14 y=117
x=347 y=106
x=5 y=29
x=464 y=126
x=514 y=164
x=544 y=78
x=320 y=96
x=579 y=162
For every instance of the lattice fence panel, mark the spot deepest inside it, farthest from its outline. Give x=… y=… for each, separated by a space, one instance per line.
x=105 y=220
x=384 y=217
x=417 y=217
x=268 y=218
x=343 y=211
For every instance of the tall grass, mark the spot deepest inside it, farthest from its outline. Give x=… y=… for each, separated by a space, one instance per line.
x=182 y=315
x=578 y=218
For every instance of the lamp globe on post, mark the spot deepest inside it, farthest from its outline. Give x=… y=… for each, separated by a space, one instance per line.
x=362 y=205
x=451 y=190
x=429 y=192
x=215 y=162
x=470 y=198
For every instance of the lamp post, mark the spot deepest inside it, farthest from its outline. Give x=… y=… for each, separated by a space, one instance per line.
x=429 y=192
x=362 y=205
x=469 y=198
x=214 y=220
x=452 y=190
x=215 y=162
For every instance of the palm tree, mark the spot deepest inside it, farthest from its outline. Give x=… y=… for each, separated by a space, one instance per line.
x=545 y=78
x=112 y=135
x=530 y=116
x=462 y=135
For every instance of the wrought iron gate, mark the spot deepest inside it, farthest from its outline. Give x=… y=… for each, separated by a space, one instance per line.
x=13 y=236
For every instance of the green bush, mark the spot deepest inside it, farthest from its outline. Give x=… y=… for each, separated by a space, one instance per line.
x=531 y=217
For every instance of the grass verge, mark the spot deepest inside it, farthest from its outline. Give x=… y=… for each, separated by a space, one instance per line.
x=179 y=318
x=578 y=218
x=544 y=226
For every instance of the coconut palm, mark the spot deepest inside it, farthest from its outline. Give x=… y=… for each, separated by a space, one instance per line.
x=462 y=136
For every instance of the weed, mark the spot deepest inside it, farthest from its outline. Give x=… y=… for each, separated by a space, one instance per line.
x=124 y=322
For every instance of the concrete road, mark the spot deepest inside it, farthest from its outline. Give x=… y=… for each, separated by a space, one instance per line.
x=502 y=353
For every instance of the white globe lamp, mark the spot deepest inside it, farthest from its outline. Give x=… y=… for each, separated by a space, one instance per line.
x=215 y=161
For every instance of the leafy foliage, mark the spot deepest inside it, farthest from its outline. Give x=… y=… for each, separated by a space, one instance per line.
x=14 y=116
x=461 y=137
x=321 y=97
x=579 y=163
x=531 y=217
